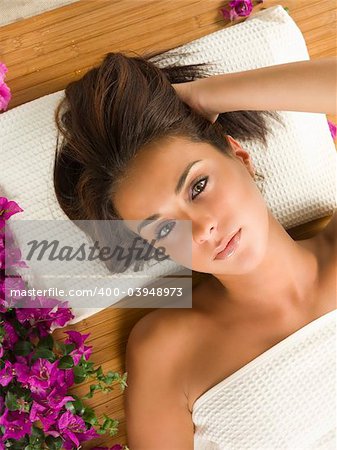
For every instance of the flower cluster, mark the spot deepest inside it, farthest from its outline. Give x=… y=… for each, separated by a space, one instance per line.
x=237 y=9
x=36 y=373
x=333 y=129
x=5 y=93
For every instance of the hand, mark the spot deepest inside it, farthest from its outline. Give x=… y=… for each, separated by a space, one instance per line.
x=189 y=93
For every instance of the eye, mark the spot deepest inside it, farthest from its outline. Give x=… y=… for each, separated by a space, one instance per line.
x=165 y=230
x=198 y=187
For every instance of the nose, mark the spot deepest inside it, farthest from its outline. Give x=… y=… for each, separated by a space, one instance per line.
x=203 y=230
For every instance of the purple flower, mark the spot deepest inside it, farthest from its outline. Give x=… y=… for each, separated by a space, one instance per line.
x=12 y=257
x=47 y=409
x=43 y=413
x=10 y=291
x=45 y=314
x=2 y=403
x=238 y=8
x=78 y=339
x=7 y=208
x=69 y=426
x=22 y=372
x=2 y=258
x=6 y=374
x=43 y=374
x=88 y=434
x=16 y=423
x=10 y=337
x=73 y=430
x=5 y=93
x=10 y=370
x=5 y=96
x=333 y=129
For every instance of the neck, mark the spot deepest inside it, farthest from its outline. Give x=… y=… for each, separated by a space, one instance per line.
x=284 y=278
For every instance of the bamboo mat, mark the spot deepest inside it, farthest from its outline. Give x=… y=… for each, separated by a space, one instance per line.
x=44 y=53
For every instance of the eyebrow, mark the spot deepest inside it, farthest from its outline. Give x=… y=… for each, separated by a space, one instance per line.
x=177 y=190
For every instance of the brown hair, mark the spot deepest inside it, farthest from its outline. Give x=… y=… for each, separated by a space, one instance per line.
x=113 y=112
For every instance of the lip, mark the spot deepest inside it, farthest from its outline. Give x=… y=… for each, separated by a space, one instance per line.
x=226 y=250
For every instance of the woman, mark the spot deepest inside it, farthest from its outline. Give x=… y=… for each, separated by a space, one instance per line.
x=123 y=123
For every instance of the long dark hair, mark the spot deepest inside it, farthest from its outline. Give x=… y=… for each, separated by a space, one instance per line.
x=113 y=112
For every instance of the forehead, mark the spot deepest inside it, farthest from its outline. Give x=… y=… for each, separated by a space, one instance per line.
x=153 y=173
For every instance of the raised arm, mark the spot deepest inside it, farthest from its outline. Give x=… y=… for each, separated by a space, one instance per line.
x=308 y=86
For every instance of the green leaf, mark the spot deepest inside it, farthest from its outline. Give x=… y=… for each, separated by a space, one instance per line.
x=17 y=445
x=89 y=415
x=79 y=406
x=70 y=406
x=111 y=377
x=79 y=374
x=23 y=348
x=36 y=439
x=59 y=346
x=54 y=443
x=99 y=373
x=11 y=401
x=78 y=380
x=45 y=353
x=93 y=388
x=46 y=342
x=68 y=348
x=123 y=382
x=106 y=424
x=20 y=329
x=66 y=362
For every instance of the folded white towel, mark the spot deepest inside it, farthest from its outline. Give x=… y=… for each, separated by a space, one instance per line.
x=283 y=399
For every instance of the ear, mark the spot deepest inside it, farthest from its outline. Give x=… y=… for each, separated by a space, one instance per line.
x=239 y=153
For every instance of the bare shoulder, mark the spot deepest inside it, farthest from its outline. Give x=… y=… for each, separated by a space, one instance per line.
x=156 y=405
x=159 y=326
x=163 y=336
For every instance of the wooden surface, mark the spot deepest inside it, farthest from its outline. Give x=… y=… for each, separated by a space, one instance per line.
x=45 y=52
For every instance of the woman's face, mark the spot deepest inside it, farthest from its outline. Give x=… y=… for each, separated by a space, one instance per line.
x=197 y=206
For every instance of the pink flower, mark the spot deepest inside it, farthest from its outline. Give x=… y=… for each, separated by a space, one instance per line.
x=5 y=93
x=45 y=313
x=2 y=402
x=7 y=208
x=40 y=412
x=13 y=258
x=43 y=375
x=238 y=8
x=333 y=129
x=47 y=410
x=3 y=70
x=22 y=373
x=78 y=339
x=16 y=423
x=69 y=426
x=6 y=374
x=10 y=337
